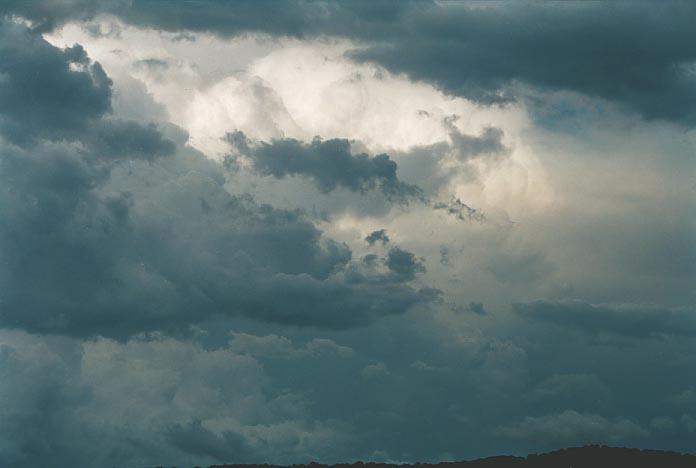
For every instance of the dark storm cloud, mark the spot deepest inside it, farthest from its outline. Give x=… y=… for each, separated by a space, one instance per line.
x=47 y=14
x=637 y=54
x=40 y=391
x=62 y=397
x=403 y=264
x=128 y=139
x=630 y=320
x=110 y=229
x=296 y=18
x=46 y=92
x=329 y=163
x=377 y=236
x=160 y=245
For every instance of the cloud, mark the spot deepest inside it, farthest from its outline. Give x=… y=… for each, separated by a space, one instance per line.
x=688 y=422
x=559 y=384
x=423 y=366
x=377 y=236
x=46 y=92
x=686 y=398
x=639 y=56
x=330 y=164
x=468 y=146
x=122 y=231
x=275 y=346
x=39 y=394
x=519 y=266
x=46 y=15
x=571 y=427
x=477 y=308
x=194 y=439
x=460 y=210
x=117 y=228
x=403 y=264
x=661 y=423
x=584 y=392
x=630 y=320
x=296 y=19
x=327 y=347
x=145 y=402
x=471 y=308
x=163 y=245
x=128 y=139
x=375 y=370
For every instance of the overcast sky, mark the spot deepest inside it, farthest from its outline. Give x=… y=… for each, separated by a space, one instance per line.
x=336 y=231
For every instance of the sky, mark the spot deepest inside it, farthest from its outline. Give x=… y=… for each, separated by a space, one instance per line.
x=279 y=232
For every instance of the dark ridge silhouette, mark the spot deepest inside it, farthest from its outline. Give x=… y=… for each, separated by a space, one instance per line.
x=591 y=456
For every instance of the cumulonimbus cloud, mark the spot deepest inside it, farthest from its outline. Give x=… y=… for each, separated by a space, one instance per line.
x=112 y=229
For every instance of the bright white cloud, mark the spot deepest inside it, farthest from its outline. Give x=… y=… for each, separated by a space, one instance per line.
x=289 y=88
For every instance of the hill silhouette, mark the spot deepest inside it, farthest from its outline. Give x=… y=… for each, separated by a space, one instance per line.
x=593 y=456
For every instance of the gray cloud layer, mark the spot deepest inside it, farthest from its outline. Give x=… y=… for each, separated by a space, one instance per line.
x=110 y=229
x=639 y=55
x=630 y=320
